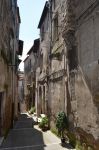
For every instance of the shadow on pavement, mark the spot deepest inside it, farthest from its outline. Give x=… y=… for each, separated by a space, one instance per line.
x=67 y=145
x=24 y=136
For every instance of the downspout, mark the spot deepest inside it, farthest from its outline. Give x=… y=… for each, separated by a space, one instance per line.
x=13 y=82
x=65 y=80
x=50 y=28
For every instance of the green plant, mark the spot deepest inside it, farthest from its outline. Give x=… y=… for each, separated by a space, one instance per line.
x=55 y=131
x=61 y=123
x=72 y=138
x=32 y=110
x=78 y=145
x=90 y=148
x=44 y=123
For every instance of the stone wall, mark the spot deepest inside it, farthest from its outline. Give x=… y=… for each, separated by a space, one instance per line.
x=81 y=27
x=57 y=59
x=8 y=86
x=43 y=64
x=57 y=98
x=6 y=90
x=87 y=77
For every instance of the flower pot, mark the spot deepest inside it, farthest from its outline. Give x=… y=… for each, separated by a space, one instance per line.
x=62 y=140
x=45 y=128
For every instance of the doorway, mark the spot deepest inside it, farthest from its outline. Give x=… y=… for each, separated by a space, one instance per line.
x=1 y=99
x=40 y=99
x=43 y=99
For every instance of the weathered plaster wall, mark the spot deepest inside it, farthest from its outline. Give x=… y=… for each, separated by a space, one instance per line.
x=8 y=77
x=57 y=76
x=88 y=54
x=83 y=79
x=43 y=66
x=82 y=6
x=80 y=33
x=57 y=103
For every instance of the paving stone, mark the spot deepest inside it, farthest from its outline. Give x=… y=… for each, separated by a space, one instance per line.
x=25 y=136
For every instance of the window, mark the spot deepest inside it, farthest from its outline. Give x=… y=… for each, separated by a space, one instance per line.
x=42 y=33
x=54 y=4
x=55 y=30
x=30 y=64
x=17 y=30
x=46 y=23
x=72 y=57
x=41 y=63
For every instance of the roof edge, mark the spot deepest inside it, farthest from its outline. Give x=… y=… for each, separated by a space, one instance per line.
x=44 y=12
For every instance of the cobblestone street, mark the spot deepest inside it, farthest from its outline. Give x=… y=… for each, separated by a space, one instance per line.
x=25 y=135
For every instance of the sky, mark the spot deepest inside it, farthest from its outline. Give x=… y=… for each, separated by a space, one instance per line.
x=30 y=13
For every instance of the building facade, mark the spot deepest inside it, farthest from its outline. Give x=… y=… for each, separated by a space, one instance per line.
x=30 y=65
x=57 y=72
x=20 y=86
x=81 y=37
x=72 y=66
x=9 y=49
x=26 y=91
x=43 y=62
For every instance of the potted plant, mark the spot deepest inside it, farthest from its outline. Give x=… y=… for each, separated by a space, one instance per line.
x=61 y=124
x=44 y=123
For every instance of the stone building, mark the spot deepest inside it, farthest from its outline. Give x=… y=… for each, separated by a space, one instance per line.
x=43 y=64
x=30 y=65
x=26 y=91
x=20 y=88
x=81 y=35
x=57 y=71
x=9 y=51
x=72 y=59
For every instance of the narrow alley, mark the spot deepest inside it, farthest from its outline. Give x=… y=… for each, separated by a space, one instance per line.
x=49 y=74
x=27 y=136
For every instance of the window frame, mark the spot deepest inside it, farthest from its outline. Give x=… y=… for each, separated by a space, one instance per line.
x=55 y=28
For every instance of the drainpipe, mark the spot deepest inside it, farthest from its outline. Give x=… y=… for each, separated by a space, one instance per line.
x=13 y=82
x=50 y=19
x=65 y=76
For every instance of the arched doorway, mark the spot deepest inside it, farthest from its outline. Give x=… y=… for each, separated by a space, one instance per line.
x=40 y=100
x=43 y=99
